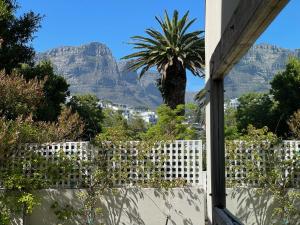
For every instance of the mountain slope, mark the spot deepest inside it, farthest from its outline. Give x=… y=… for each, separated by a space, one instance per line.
x=92 y=68
x=256 y=69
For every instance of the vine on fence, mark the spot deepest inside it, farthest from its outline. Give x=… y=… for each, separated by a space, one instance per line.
x=117 y=162
x=258 y=160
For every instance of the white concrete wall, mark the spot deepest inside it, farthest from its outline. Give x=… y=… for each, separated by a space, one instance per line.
x=131 y=206
x=148 y=206
x=252 y=208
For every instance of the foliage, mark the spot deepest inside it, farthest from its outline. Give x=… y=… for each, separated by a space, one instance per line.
x=4 y=11
x=15 y=133
x=69 y=125
x=274 y=109
x=285 y=87
x=55 y=89
x=27 y=173
x=37 y=93
x=172 y=51
x=256 y=109
x=89 y=111
x=136 y=128
x=114 y=126
x=191 y=113
x=113 y=121
x=24 y=175
x=272 y=171
x=294 y=124
x=17 y=130
x=16 y=32
x=113 y=118
x=18 y=97
x=111 y=166
x=195 y=117
x=230 y=124
x=4 y=214
x=171 y=125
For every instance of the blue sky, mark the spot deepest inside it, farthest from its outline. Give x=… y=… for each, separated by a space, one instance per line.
x=112 y=22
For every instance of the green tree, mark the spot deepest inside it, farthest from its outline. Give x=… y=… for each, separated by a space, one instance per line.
x=113 y=121
x=17 y=129
x=191 y=113
x=116 y=126
x=55 y=89
x=230 y=124
x=4 y=12
x=137 y=127
x=294 y=124
x=285 y=87
x=90 y=112
x=171 y=125
x=172 y=51
x=256 y=109
x=16 y=33
x=113 y=118
x=18 y=97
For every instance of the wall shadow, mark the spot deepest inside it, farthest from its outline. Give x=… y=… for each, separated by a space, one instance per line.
x=253 y=208
x=130 y=206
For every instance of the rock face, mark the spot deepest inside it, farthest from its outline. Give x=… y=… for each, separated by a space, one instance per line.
x=92 y=68
x=256 y=69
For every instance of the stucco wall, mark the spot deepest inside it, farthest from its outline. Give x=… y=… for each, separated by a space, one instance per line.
x=149 y=206
x=253 y=208
x=131 y=207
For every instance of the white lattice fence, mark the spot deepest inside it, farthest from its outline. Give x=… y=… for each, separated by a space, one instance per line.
x=181 y=160
x=236 y=171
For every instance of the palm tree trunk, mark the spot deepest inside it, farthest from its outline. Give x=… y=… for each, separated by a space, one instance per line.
x=173 y=87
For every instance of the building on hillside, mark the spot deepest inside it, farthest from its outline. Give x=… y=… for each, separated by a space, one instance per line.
x=149 y=117
x=130 y=112
x=232 y=103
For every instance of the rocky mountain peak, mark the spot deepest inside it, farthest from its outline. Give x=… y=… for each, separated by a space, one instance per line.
x=256 y=69
x=91 y=68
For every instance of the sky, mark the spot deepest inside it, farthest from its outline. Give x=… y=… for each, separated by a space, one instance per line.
x=113 y=22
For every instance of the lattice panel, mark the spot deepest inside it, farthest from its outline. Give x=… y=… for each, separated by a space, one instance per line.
x=236 y=172
x=177 y=160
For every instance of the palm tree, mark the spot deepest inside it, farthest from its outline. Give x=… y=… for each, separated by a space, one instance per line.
x=172 y=52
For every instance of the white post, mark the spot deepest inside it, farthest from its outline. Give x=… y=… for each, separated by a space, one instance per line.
x=217 y=15
x=213 y=10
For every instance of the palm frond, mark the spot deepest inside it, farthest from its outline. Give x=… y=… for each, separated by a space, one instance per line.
x=167 y=21
x=200 y=97
x=187 y=26
x=183 y=21
x=173 y=41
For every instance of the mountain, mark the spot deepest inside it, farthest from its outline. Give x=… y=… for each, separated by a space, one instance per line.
x=91 y=68
x=256 y=69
